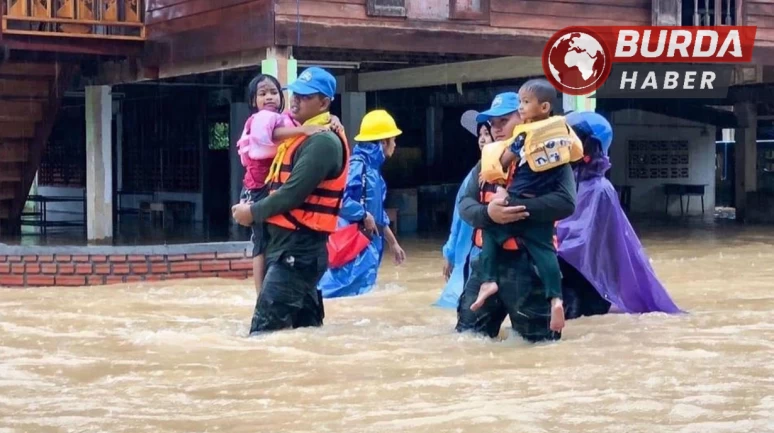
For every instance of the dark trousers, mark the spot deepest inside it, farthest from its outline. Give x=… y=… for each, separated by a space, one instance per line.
x=289 y=297
x=521 y=296
x=258 y=237
x=580 y=297
x=537 y=238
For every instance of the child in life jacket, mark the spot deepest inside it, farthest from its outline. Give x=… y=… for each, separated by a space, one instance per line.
x=536 y=153
x=262 y=134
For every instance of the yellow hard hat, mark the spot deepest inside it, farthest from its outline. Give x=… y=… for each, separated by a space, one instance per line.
x=377 y=125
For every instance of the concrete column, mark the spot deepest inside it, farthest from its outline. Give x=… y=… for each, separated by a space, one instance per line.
x=99 y=163
x=746 y=156
x=119 y=145
x=353 y=108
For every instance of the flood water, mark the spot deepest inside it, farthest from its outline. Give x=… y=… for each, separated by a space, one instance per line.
x=175 y=357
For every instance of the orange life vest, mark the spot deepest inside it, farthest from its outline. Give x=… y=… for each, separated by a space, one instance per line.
x=320 y=210
x=487 y=192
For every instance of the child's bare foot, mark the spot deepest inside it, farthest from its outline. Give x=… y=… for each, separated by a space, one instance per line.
x=557 y=315
x=487 y=290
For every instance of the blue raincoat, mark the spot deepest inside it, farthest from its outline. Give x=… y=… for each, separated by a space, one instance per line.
x=456 y=251
x=359 y=276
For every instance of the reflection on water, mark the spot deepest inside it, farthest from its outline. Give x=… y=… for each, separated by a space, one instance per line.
x=174 y=358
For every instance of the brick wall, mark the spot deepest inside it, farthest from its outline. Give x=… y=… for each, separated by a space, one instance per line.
x=82 y=266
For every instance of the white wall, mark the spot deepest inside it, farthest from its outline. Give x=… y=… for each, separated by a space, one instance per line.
x=648 y=194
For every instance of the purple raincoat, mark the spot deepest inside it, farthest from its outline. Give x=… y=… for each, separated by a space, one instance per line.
x=599 y=242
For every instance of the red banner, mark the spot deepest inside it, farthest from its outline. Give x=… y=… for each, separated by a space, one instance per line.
x=673 y=44
x=578 y=60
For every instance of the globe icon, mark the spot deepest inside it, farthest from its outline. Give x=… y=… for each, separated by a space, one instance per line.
x=577 y=61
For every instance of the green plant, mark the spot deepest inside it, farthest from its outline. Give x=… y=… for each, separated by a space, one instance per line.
x=219 y=136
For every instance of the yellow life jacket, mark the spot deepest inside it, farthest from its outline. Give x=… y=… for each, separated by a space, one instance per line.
x=492 y=170
x=549 y=143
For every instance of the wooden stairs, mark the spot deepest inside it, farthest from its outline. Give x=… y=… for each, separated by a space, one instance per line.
x=30 y=94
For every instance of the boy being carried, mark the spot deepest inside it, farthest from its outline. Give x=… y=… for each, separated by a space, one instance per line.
x=539 y=148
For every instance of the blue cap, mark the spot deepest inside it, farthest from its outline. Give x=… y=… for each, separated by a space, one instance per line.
x=588 y=124
x=314 y=80
x=502 y=104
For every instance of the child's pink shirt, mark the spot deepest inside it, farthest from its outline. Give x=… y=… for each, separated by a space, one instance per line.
x=256 y=147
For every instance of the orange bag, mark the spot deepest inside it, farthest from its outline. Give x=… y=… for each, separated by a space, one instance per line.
x=345 y=244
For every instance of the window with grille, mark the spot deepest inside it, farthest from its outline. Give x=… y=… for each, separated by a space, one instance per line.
x=658 y=159
x=469 y=9
x=386 y=8
x=162 y=144
x=64 y=159
x=709 y=12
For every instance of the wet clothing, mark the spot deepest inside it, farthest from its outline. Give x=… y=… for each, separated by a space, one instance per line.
x=458 y=250
x=257 y=238
x=553 y=206
x=579 y=296
x=600 y=243
x=296 y=259
x=319 y=157
x=366 y=192
x=521 y=297
x=289 y=297
x=515 y=268
x=536 y=236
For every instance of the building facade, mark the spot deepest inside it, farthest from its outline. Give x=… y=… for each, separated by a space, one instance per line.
x=120 y=112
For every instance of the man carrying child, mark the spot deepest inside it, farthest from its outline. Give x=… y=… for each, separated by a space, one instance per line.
x=520 y=257
x=300 y=211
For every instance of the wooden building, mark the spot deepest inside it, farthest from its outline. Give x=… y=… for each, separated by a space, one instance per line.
x=50 y=47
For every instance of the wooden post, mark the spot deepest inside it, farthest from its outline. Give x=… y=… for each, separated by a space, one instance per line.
x=353 y=106
x=99 y=163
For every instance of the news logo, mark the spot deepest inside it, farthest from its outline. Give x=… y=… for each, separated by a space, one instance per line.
x=647 y=62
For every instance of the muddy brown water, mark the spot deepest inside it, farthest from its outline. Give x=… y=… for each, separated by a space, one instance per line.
x=174 y=358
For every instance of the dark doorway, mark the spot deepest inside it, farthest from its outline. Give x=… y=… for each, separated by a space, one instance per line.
x=724 y=174
x=217 y=171
x=460 y=147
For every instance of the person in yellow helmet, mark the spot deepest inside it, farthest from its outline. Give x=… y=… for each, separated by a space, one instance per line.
x=363 y=204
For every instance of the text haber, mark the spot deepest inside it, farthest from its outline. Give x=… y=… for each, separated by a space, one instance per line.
x=669 y=81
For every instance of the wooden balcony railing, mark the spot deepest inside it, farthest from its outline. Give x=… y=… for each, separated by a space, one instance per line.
x=715 y=13
x=99 y=19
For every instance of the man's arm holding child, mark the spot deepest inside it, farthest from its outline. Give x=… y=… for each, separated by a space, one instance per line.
x=482 y=216
x=320 y=157
x=556 y=205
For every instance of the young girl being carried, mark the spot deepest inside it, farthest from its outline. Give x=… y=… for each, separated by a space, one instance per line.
x=263 y=132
